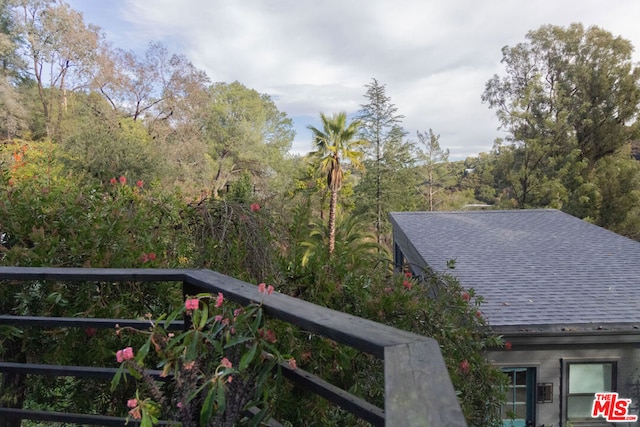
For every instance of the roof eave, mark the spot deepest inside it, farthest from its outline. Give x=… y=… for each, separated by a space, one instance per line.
x=563 y=334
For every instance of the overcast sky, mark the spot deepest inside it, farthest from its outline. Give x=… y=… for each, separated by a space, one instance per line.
x=316 y=56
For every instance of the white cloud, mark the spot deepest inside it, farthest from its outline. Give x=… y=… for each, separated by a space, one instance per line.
x=434 y=56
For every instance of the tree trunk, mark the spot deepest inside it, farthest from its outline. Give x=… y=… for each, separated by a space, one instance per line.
x=332 y=220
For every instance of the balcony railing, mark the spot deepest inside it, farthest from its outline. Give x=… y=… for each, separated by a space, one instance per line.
x=417 y=387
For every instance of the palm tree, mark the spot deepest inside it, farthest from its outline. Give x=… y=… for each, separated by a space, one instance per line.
x=335 y=142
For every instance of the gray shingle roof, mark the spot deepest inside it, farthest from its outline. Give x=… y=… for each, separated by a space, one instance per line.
x=533 y=267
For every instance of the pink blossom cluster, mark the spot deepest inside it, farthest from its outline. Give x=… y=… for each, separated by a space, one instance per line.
x=255 y=207
x=219 y=300
x=123 y=181
x=192 y=304
x=226 y=363
x=293 y=364
x=264 y=289
x=124 y=354
x=268 y=335
x=151 y=256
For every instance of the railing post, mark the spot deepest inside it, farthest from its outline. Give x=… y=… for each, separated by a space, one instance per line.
x=418 y=390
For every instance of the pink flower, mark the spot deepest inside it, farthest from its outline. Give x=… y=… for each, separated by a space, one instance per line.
x=226 y=363
x=143 y=258
x=407 y=274
x=218 y=318
x=140 y=183
x=292 y=363
x=255 y=207
x=478 y=314
x=135 y=413
x=152 y=256
x=122 y=179
x=237 y=312
x=192 y=304
x=407 y=284
x=219 y=300
x=264 y=289
x=124 y=354
x=132 y=403
x=268 y=335
x=466 y=296
x=127 y=353
x=465 y=366
x=507 y=345
x=113 y=181
x=179 y=405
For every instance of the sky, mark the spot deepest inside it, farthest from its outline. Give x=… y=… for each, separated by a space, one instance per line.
x=434 y=57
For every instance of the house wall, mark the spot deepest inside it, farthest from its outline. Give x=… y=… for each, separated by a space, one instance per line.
x=550 y=363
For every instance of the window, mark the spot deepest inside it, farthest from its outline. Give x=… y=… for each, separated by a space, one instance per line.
x=584 y=380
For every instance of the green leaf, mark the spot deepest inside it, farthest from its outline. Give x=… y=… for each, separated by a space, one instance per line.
x=258 y=418
x=204 y=316
x=192 y=349
x=116 y=378
x=144 y=350
x=171 y=318
x=135 y=374
x=146 y=420
x=220 y=397
x=207 y=406
x=257 y=322
x=247 y=358
x=237 y=340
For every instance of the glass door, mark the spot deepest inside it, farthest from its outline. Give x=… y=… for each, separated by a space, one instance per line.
x=519 y=409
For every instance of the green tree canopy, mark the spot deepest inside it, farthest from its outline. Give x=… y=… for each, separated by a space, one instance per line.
x=569 y=95
x=244 y=131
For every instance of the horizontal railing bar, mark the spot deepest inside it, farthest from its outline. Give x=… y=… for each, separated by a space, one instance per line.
x=82 y=322
x=103 y=420
x=361 y=334
x=68 y=371
x=347 y=401
x=79 y=274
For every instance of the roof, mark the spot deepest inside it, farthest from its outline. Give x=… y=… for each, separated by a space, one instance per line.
x=537 y=267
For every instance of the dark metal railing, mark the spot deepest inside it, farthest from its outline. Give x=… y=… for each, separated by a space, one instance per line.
x=418 y=390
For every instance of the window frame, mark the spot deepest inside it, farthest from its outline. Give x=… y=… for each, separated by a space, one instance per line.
x=567 y=392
